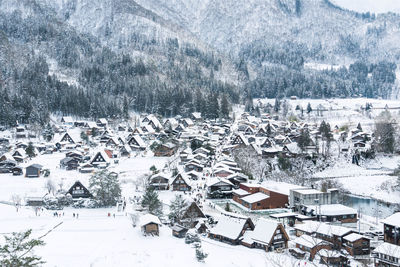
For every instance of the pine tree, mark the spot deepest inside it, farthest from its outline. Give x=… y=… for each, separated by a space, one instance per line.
x=309 y=109
x=30 y=150
x=304 y=139
x=151 y=202
x=105 y=188
x=200 y=254
x=18 y=250
x=277 y=105
x=125 y=108
x=84 y=137
x=177 y=208
x=224 y=106
x=227 y=207
x=48 y=133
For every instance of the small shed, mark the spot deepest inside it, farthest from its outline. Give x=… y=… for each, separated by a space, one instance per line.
x=33 y=170
x=179 y=231
x=150 y=224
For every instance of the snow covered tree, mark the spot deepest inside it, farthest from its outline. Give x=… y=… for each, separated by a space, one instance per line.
x=18 y=250
x=385 y=133
x=277 y=105
x=105 y=188
x=191 y=237
x=177 y=208
x=227 y=207
x=304 y=139
x=309 y=108
x=200 y=254
x=224 y=106
x=16 y=200
x=84 y=137
x=50 y=186
x=48 y=133
x=30 y=150
x=151 y=202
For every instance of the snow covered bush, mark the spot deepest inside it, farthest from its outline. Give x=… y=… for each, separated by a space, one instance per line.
x=200 y=254
x=191 y=237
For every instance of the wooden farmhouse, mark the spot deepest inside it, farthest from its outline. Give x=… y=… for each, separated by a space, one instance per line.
x=231 y=230
x=78 y=190
x=268 y=235
x=181 y=183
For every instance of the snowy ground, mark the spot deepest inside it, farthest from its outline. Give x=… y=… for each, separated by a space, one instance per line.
x=98 y=240
x=346 y=111
x=129 y=170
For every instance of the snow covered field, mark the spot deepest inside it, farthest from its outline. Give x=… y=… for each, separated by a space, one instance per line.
x=341 y=111
x=97 y=240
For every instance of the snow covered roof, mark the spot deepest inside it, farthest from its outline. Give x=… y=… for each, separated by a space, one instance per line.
x=388 y=249
x=329 y=253
x=393 y=219
x=309 y=241
x=353 y=237
x=240 y=192
x=264 y=230
x=255 y=197
x=323 y=228
x=307 y=191
x=333 y=209
x=216 y=181
x=138 y=140
x=230 y=228
x=149 y=218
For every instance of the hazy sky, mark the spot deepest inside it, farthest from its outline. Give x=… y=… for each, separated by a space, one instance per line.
x=376 y=6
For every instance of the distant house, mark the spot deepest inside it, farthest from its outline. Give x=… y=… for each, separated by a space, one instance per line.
x=136 y=143
x=193 y=166
x=386 y=254
x=192 y=215
x=70 y=138
x=391 y=229
x=181 y=183
x=78 y=190
x=67 y=120
x=159 y=182
x=165 y=150
x=179 y=231
x=19 y=155
x=86 y=168
x=311 y=245
x=17 y=171
x=356 y=244
x=223 y=172
x=33 y=170
x=100 y=159
x=268 y=235
x=237 y=178
x=230 y=230
x=69 y=163
x=255 y=197
x=240 y=140
x=196 y=116
x=332 y=213
x=125 y=151
x=101 y=122
x=150 y=224
x=220 y=187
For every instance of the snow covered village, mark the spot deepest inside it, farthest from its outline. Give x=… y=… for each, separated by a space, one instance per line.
x=221 y=133
x=254 y=190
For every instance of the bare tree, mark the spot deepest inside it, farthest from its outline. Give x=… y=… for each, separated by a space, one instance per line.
x=16 y=200
x=50 y=186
